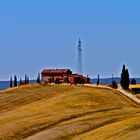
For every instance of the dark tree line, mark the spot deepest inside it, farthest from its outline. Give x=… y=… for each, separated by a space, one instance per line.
x=14 y=82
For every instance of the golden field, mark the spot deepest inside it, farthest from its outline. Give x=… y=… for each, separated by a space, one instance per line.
x=134 y=86
x=57 y=112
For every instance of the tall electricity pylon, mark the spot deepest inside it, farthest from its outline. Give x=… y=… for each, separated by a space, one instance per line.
x=79 y=62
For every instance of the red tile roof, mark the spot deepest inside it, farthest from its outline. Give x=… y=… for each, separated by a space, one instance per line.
x=56 y=71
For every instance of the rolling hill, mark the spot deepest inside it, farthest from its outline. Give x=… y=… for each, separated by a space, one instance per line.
x=48 y=112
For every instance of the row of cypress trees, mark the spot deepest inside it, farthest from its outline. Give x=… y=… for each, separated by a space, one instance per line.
x=14 y=82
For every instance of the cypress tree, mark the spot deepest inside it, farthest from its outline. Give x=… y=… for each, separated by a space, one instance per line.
x=25 y=79
x=125 y=81
x=123 y=77
x=20 y=82
x=38 y=78
x=11 y=82
x=15 y=81
x=98 y=80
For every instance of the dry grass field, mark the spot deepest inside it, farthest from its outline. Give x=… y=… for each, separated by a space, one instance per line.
x=134 y=86
x=38 y=112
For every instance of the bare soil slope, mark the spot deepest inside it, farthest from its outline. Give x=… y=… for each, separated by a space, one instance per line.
x=39 y=112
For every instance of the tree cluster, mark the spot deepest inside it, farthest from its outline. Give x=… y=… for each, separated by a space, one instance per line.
x=114 y=84
x=125 y=81
x=26 y=81
x=14 y=82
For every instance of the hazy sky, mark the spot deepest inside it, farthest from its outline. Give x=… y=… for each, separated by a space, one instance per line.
x=37 y=34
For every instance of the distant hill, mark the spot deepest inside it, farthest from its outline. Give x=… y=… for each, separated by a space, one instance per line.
x=109 y=80
x=6 y=84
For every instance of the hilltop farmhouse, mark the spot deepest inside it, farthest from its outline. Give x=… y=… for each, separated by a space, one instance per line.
x=62 y=76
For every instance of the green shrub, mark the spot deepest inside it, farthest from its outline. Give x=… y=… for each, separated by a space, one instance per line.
x=133 y=81
x=114 y=84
